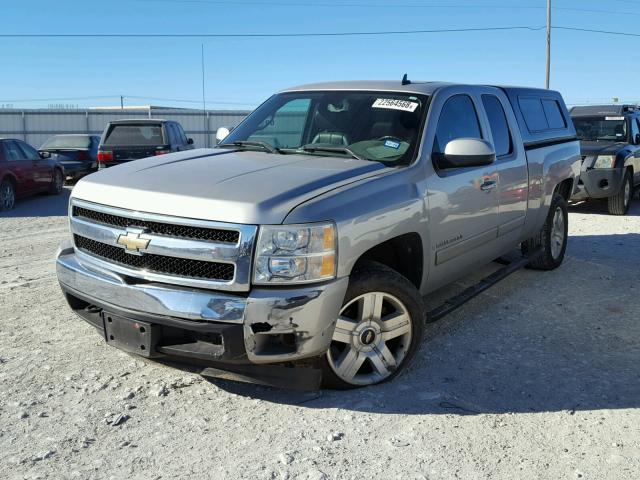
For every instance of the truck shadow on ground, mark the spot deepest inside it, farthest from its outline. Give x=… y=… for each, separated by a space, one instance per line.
x=566 y=340
x=41 y=206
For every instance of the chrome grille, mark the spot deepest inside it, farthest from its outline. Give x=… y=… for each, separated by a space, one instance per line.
x=183 y=231
x=181 y=251
x=181 y=267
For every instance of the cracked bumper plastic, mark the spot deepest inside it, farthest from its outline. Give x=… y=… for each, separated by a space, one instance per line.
x=269 y=325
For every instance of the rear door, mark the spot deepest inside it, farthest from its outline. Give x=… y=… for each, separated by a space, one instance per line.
x=20 y=166
x=511 y=163
x=463 y=202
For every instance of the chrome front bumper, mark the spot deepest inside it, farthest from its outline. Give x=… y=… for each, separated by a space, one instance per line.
x=305 y=315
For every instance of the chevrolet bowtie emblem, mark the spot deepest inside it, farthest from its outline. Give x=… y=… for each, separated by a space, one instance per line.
x=132 y=241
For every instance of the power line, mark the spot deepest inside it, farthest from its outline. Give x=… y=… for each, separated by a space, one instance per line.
x=391 y=5
x=308 y=34
x=260 y=35
x=604 y=32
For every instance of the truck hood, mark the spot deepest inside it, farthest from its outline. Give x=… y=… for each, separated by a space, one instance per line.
x=223 y=185
x=600 y=148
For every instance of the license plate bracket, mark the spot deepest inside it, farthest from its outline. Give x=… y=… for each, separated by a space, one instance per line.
x=130 y=335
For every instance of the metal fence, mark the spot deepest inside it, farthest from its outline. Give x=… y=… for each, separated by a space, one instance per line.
x=35 y=126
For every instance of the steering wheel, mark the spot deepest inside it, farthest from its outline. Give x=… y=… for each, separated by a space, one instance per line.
x=388 y=137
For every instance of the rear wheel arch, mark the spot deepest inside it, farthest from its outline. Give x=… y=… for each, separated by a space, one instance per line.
x=565 y=188
x=403 y=254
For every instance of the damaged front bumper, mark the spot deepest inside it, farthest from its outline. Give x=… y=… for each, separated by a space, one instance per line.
x=598 y=183
x=265 y=326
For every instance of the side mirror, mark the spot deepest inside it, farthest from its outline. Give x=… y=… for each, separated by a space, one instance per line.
x=190 y=141
x=45 y=154
x=467 y=152
x=222 y=133
x=637 y=139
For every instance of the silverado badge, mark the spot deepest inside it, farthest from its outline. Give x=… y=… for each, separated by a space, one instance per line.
x=132 y=241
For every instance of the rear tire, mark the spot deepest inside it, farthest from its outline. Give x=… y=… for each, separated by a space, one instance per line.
x=7 y=195
x=619 y=204
x=552 y=237
x=378 y=331
x=57 y=182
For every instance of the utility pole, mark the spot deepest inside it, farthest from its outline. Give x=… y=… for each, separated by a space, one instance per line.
x=204 y=103
x=121 y=102
x=548 y=43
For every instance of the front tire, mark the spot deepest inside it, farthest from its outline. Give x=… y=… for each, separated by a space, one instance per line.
x=7 y=195
x=619 y=204
x=378 y=331
x=552 y=237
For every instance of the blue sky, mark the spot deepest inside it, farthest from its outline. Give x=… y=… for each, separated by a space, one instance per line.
x=241 y=72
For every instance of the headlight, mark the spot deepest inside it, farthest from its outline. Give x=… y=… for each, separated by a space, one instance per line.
x=604 y=161
x=295 y=253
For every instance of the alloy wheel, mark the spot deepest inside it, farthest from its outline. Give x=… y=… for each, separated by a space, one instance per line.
x=557 y=233
x=627 y=193
x=7 y=196
x=371 y=338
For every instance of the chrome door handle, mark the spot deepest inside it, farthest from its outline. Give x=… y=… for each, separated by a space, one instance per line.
x=488 y=186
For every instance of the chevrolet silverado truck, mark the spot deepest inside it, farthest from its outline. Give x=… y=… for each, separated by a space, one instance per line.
x=301 y=247
x=610 y=145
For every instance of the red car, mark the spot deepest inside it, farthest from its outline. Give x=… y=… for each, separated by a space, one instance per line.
x=24 y=171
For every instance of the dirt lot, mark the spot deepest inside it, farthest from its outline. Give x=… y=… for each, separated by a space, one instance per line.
x=537 y=378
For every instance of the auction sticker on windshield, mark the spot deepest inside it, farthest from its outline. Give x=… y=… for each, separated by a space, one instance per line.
x=613 y=118
x=395 y=104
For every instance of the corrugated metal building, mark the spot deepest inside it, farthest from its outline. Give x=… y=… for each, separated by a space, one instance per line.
x=36 y=125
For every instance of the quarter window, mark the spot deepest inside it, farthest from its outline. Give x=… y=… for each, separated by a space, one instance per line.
x=502 y=141
x=458 y=119
x=12 y=151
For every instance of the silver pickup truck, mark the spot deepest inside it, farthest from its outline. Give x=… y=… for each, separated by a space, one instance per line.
x=310 y=235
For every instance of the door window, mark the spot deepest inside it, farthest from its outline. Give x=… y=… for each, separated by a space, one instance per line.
x=181 y=135
x=458 y=119
x=30 y=153
x=634 y=130
x=502 y=142
x=13 y=151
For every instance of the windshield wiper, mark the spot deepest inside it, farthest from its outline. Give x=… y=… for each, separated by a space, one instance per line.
x=263 y=145
x=319 y=148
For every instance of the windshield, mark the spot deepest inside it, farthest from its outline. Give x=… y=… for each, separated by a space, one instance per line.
x=125 y=135
x=67 y=141
x=378 y=126
x=601 y=129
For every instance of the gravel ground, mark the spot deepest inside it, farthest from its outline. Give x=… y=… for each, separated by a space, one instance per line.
x=537 y=378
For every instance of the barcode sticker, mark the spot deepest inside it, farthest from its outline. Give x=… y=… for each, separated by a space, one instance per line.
x=614 y=118
x=394 y=104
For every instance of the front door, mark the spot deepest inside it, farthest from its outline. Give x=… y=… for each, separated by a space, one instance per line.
x=42 y=169
x=463 y=202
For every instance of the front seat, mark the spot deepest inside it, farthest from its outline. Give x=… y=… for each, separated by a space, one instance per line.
x=331 y=138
